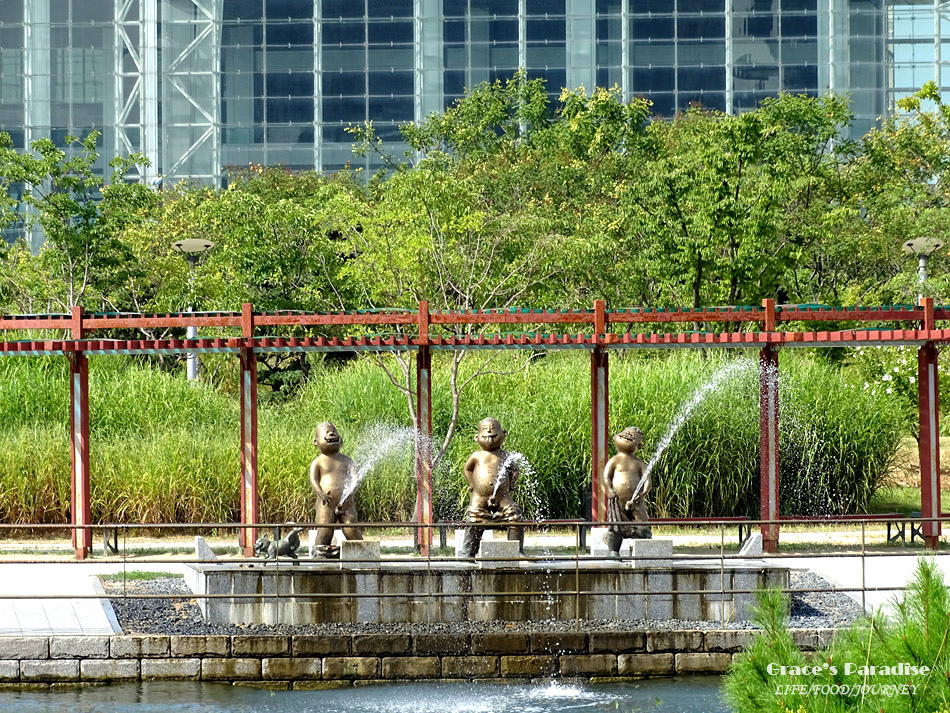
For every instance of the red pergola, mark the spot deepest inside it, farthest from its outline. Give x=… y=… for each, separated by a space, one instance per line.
x=746 y=327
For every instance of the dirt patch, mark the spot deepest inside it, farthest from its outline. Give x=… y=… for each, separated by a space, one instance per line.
x=905 y=470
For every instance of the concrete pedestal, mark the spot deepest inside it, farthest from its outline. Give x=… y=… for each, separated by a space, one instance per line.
x=359 y=554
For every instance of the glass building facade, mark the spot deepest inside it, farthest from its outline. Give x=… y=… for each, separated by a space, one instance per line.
x=201 y=85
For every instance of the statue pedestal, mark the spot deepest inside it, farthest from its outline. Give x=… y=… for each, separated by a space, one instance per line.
x=651 y=553
x=359 y=554
x=491 y=549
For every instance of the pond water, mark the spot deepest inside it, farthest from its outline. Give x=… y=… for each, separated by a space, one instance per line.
x=695 y=694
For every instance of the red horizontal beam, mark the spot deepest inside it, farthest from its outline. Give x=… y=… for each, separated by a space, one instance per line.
x=738 y=315
x=709 y=339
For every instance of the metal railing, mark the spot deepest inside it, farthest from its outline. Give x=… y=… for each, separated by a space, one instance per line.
x=552 y=556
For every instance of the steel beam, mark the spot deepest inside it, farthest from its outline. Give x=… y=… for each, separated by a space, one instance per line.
x=599 y=403
x=929 y=442
x=768 y=446
x=424 y=448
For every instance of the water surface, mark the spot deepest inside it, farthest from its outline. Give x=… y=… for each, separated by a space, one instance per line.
x=685 y=694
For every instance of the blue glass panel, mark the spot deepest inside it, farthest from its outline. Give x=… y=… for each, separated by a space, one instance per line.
x=715 y=101
x=289 y=9
x=693 y=79
x=454 y=8
x=18 y=137
x=344 y=109
x=390 y=33
x=290 y=134
x=345 y=33
x=760 y=77
x=551 y=30
x=502 y=74
x=453 y=31
x=494 y=30
x=85 y=11
x=660 y=6
x=11 y=11
x=708 y=52
x=351 y=84
x=608 y=7
x=453 y=82
x=799 y=5
x=289 y=110
x=495 y=7
x=701 y=27
x=799 y=25
x=748 y=100
x=386 y=83
x=342 y=8
x=655 y=79
x=554 y=79
x=799 y=79
x=391 y=109
x=290 y=84
x=299 y=33
x=755 y=26
x=645 y=28
x=664 y=104
x=243 y=9
x=351 y=57
x=699 y=5
x=544 y=7
x=336 y=134
x=390 y=8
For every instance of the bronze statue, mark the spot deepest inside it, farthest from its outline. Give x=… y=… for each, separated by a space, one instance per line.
x=284 y=547
x=329 y=473
x=491 y=474
x=627 y=487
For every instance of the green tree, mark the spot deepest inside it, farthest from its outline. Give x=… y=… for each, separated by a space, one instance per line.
x=81 y=216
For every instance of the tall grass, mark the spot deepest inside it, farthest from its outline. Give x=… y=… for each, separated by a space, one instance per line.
x=165 y=450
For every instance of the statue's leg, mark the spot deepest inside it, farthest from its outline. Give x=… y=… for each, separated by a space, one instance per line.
x=325 y=516
x=350 y=516
x=613 y=540
x=471 y=540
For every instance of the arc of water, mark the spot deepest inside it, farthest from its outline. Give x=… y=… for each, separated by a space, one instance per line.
x=384 y=442
x=720 y=377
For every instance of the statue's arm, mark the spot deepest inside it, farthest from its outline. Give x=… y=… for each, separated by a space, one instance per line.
x=315 y=482
x=469 y=471
x=609 y=478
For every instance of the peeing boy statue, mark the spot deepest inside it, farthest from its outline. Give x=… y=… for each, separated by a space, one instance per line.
x=627 y=487
x=329 y=473
x=490 y=476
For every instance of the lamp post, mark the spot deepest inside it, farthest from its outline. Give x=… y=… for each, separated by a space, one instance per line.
x=923 y=248
x=192 y=249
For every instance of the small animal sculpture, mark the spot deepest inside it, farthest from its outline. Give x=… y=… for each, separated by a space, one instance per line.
x=284 y=547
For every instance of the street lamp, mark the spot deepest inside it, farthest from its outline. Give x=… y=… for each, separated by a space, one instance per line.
x=923 y=248
x=192 y=249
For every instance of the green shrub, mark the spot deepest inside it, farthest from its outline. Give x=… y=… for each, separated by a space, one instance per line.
x=164 y=449
x=918 y=635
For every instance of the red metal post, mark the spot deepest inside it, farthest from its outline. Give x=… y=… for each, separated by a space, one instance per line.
x=768 y=446
x=929 y=442
x=250 y=512
x=424 y=447
x=79 y=440
x=599 y=402
x=79 y=452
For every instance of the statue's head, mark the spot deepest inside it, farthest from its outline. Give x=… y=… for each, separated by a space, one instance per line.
x=328 y=439
x=490 y=434
x=628 y=440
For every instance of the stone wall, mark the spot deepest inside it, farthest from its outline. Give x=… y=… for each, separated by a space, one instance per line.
x=344 y=660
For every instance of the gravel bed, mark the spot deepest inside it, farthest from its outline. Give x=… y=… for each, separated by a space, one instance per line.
x=810 y=610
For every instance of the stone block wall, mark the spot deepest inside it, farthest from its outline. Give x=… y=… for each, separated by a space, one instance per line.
x=342 y=660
